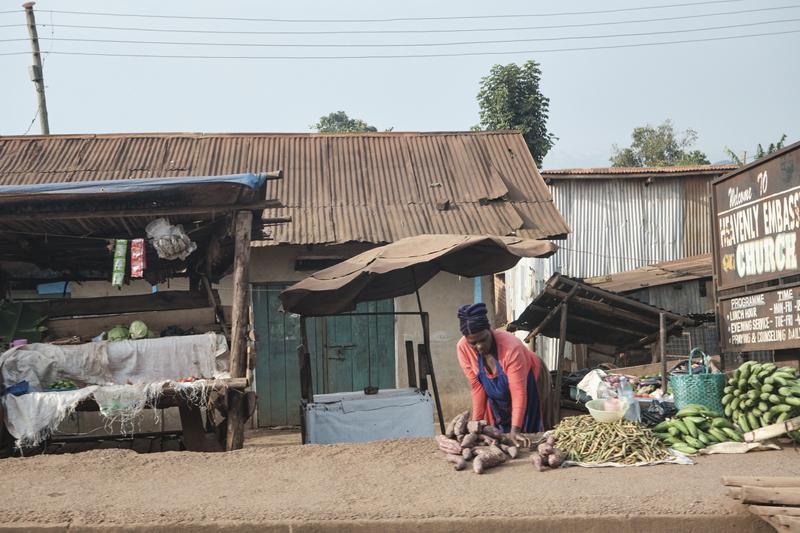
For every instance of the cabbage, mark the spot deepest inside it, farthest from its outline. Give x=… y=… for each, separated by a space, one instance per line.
x=138 y=330
x=118 y=333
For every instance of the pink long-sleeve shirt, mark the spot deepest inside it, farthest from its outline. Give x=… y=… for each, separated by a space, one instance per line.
x=516 y=361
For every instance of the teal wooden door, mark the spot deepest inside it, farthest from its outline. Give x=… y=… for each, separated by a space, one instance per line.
x=348 y=353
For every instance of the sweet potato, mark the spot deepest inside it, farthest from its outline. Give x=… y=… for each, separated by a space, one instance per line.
x=545 y=448
x=493 y=431
x=486 y=461
x=551 y=440
x=538 y=462
x=450 y=431
x=475 y=426
x=495 y=449
x=555 y=459
x=487 y=440
x=460 y=426
x=448 y=445
x=480 y=450
x=458 y=462
x=469 y=440
x=511 y=451
x=468 y=453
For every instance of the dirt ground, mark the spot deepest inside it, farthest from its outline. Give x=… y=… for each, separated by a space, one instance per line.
x=275 y=485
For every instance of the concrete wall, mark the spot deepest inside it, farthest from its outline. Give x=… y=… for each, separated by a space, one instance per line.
x=441 y=297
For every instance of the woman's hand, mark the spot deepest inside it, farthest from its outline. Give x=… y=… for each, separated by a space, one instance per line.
x=518 y=439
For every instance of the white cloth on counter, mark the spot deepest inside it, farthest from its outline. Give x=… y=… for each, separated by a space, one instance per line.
x=122 y=376
x=102 y=363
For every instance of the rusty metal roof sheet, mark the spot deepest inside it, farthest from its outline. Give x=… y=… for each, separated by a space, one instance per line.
x=686 y=269
x=369 y=187
x=636 y=172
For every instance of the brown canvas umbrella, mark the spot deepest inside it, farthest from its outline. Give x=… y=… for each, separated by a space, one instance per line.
x=403 y=267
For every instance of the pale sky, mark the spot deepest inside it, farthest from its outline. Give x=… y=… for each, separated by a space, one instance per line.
x=735 y=92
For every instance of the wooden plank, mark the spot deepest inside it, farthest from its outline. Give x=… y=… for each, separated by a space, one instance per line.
x=155 y=320
x=423 y=367
x=194 y=436
x=605 y=308
x=150 y=213
x=243 y=227
x=410 y=366
x=790 y=522
x=771 y=510
x=734 y=492
x=770 y=495
x=160 y=301
x=622 y=300
x=773 y=430
x=761 y=481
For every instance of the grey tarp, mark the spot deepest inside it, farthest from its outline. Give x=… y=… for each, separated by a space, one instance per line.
x=404 y=266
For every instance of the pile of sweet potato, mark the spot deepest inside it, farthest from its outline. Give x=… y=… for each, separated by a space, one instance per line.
x=475 y=441
x=548 y=455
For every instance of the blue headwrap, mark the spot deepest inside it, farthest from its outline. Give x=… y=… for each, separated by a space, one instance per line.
x=472 y=318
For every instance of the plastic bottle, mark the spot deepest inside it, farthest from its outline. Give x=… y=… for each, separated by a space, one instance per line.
x=625 y=391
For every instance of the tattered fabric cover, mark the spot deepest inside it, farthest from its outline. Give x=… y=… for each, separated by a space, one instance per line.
x=122 y=376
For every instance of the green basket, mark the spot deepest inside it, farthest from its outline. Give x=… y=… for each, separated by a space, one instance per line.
x=703 y=389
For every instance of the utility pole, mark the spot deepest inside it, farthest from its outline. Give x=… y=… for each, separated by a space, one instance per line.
x=37 y=76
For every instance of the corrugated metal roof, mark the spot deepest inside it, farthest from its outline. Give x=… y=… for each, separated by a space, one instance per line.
x=686 y=269
x=636 y=172
x=369 y=187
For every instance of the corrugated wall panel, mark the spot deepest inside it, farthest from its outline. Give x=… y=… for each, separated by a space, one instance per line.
x=697 y=219
x=617 y=225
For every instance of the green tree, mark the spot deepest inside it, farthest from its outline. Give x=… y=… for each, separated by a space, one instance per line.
x=338 y=121
x=759 y=153
x=510 y=99
x=659 y=146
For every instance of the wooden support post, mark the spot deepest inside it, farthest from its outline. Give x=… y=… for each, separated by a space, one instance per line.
x=194 y=436
x=552 y=314
x=238 y=362
x=662 y=341
x=412 y=371
x=423 y=367
x=562 y=345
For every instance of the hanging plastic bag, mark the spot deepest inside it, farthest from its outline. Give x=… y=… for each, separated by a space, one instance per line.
x=170 y=242
x=120 y=258
x=138 y=258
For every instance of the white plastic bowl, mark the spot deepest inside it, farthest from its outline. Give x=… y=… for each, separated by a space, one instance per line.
x=597 y=408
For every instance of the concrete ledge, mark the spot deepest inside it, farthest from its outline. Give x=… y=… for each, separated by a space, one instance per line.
x=555 y=524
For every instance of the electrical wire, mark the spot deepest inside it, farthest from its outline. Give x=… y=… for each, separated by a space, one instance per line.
x=418 y=31
x=401 y=45
x=393 y=19
x=415 y=56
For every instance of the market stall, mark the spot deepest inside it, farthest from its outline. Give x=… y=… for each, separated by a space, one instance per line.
x=121 y=354
x=573 y=311
x=395 y=270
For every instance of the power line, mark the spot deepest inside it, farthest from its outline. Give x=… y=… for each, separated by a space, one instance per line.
x=401 y=45
x=417 y=56
x=423 y=31
x=394 y=19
